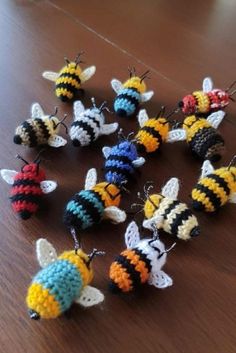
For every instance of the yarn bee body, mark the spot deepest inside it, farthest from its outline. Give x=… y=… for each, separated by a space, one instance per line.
x=89 y=124
x=121 y=161
x=70 y=78
x=215 y=188
x=39 y=130
x=27 y=189
x=140 y=263
x=62 y=281
x=130 y=94
x=93 y=204
x=206 y=101
x=152 y=133
x=177 y=218
x=201 y=135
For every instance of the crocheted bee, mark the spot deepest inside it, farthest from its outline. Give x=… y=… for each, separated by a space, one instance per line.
x=69 y=79
x=93 y=204
x=153 y=131
x=177 y=218
x=207 y=100
x=89 y=124
x=28 y=186
x=201 y=135
x=62 y=281
x=40 y=130
x=215 y=187
x=130 y=94
x=121 y=160
x=140 y=263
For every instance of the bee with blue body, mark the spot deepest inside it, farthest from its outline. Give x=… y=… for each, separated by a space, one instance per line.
x=62 y=281
x=130 y=94
x=121 y=161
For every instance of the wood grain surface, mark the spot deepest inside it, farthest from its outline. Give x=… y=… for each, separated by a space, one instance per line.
x=180 y=42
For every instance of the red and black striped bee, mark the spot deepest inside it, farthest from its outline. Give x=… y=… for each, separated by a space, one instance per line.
x=28 y=186
x=208 y=100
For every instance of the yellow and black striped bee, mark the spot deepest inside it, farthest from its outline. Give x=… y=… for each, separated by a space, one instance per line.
x=69 y=79
x=177 y=218
x=40 y=129
x=215 y=187
x=201 y=135
x=140 y=263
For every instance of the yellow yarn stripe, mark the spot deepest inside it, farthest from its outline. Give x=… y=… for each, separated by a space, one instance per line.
x=201 y=197
x=203 y=101
x=199 y=124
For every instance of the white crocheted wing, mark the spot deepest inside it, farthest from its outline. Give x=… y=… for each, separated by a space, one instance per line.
x=8 y=175
x=114 y=214
x=116 y=85
x=46 y=253
x=207 y=168
x=138 y=162
x=176 y=135
x=215 y=118
x=171 y=189
x=48 y=186
x=207 y=84
x=50 y=75
x=146 y=96
x=78 y=109
x=87 y=73
x=37 y=111
x=91 y=179
x=56 y=141
x=132 y=236
x=142 y=117
x=90 y=296
x=160 y=280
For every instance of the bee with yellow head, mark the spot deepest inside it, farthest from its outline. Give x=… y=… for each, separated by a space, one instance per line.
x=93 y=204
x=130 y=94
x=177 y=218
x=62 y=281
x=69 y=79
x=215 y=187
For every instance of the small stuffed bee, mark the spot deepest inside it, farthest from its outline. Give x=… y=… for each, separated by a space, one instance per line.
x=40 y=130
x=121 y=160
x=206 y=101
x=140 y=263
x=173 y=216
x=89 y=124
x=93 y=204
x=201 y=135
x=215 y=187
x=28 y=186
x=69 y=79
x=62 y=281
x=130 y=94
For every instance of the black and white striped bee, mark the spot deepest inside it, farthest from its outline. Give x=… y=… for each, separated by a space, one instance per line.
x=177 y=218
x=89 y=124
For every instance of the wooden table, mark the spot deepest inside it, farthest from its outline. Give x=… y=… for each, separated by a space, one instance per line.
x=180 y=42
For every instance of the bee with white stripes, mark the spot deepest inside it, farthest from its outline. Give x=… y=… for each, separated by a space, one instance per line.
x=89 y=124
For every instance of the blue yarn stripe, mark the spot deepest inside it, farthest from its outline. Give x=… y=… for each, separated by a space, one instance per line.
x=92 y=198
x=62 y=280
x=131 y=92
x=78 y=210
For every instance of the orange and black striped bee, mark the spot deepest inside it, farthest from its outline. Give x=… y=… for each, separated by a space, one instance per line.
x=69 y=79
x=28 y=186
x=140 y=263
x=208 y=100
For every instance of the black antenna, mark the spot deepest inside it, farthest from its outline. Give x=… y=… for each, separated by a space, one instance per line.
x=94 y=253
x=67 y=61
x=232 y=162
x=22 y=159
x=75 y=238
x=77 y=58
x=37 y=160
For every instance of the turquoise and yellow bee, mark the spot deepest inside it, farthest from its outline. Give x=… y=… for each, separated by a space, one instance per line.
x=215 y=187
x=69 y=79
x=63 y=280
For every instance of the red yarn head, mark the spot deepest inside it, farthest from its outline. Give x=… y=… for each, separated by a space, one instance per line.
x=188 y=104
x=32 y=170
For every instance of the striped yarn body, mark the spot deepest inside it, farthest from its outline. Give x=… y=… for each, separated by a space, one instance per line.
x=127 y=102
x=214 y=190
x=86 y=128
x=118 y=165
x=151 y=136
x=26 y=193
x=56 y=286
x=68 y=83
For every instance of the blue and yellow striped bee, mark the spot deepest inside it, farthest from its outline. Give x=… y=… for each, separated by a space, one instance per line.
x=93 y=204
x=215 y=187
x=69 y=79
x=121 y=160
x=130 y=94
x=62 y=281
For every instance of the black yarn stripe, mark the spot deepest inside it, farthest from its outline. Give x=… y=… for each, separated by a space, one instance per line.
x=222 y=183
x=178 y=221
x=68 y=87
x=43 y=127
x=86 y=128
x=129 y=98
x=153 y=132
x=170 y=208
x=73 y=76
x=119 y=171
x=94 y=120
x=143 y=257
x=30 y=131
x=123 y=159
x=26 y=197
x=88 y=206
x=25 y=182
x=71 y=220
x=210 y=138
x=130 y=269
x=211 y=141
x=215 y=200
